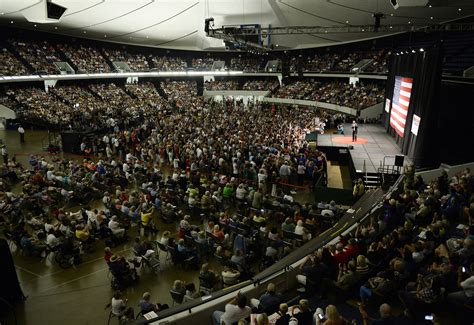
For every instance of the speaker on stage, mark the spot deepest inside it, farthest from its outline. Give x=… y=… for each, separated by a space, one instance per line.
x=399 y=160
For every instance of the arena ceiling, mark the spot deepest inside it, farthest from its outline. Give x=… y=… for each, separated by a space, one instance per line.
x=179 y=24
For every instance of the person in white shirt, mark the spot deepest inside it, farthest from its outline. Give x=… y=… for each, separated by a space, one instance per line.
x=21 y=131
x=301 y=172
x=51 y=240
x=241 y=192
x=235 y=310
x=327 y=213
x=119 y=306
x=285 y=172
x=114 y=226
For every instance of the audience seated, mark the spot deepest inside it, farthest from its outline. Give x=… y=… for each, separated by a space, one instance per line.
x=356 y=96
x=41 y=55
x=11 y=66
x=135 y=61
x=86 y=58
x=235 y=310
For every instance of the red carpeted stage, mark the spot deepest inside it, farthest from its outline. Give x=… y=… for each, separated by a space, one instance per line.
x=372 y=146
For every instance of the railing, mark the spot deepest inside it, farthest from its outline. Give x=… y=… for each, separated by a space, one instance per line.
x=200 y=309
x=370 y=203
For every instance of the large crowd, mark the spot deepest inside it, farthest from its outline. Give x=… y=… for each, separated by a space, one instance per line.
x=221 y=174
x=86 y=59
x=75 y=106
x=135 y=61
x=418 y=249
x=39 y=54
x=358 y=95
x=84 y=107
x=339 y=62
x=223 y=190
x=92 y=58
x=260 y=85
x=10 y=64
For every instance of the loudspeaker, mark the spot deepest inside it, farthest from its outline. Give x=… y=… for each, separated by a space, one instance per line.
x=399 y=160
x=54 y=11
x=11 y=290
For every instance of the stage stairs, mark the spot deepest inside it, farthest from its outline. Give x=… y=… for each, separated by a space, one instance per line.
x=385 y=176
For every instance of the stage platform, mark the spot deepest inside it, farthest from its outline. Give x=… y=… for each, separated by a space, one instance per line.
x=373 y=144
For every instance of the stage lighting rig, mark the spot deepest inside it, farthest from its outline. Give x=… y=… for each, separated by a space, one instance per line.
x=245 y=37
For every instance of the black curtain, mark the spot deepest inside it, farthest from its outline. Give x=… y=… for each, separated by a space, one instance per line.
x=456 y=122
x=425 y=69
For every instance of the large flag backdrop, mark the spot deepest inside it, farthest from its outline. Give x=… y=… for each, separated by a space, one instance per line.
x=400 y=104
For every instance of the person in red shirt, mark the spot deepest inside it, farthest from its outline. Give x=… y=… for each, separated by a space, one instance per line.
x=340 y=256
x=218 y=233
x=352 y=249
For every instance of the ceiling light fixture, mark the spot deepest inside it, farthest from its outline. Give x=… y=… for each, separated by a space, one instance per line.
x=391 y=15
x=11 y=22
x=459 y=9
x=430 y=6
x=413 y=51
x=105 y=35
x=85 y=32
x=347 y=21
x=431 y=17
x=35 y=25
x=391 y=27
x=55 y=27
x=422 y=50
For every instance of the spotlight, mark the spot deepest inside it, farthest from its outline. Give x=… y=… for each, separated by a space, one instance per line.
x=422 y=50
x=459 y=9
x=413 y=51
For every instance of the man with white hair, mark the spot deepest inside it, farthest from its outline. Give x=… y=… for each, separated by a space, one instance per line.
x=385 y=312
x=114 y=226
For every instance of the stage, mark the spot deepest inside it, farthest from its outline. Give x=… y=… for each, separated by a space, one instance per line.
x=373 y=144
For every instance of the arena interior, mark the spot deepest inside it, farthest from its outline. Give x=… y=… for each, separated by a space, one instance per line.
x=237 y=162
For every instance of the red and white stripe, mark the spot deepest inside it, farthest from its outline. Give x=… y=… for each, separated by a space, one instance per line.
x=398 y=116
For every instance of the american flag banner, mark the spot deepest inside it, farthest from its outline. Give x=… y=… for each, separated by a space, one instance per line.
x=400 y=103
